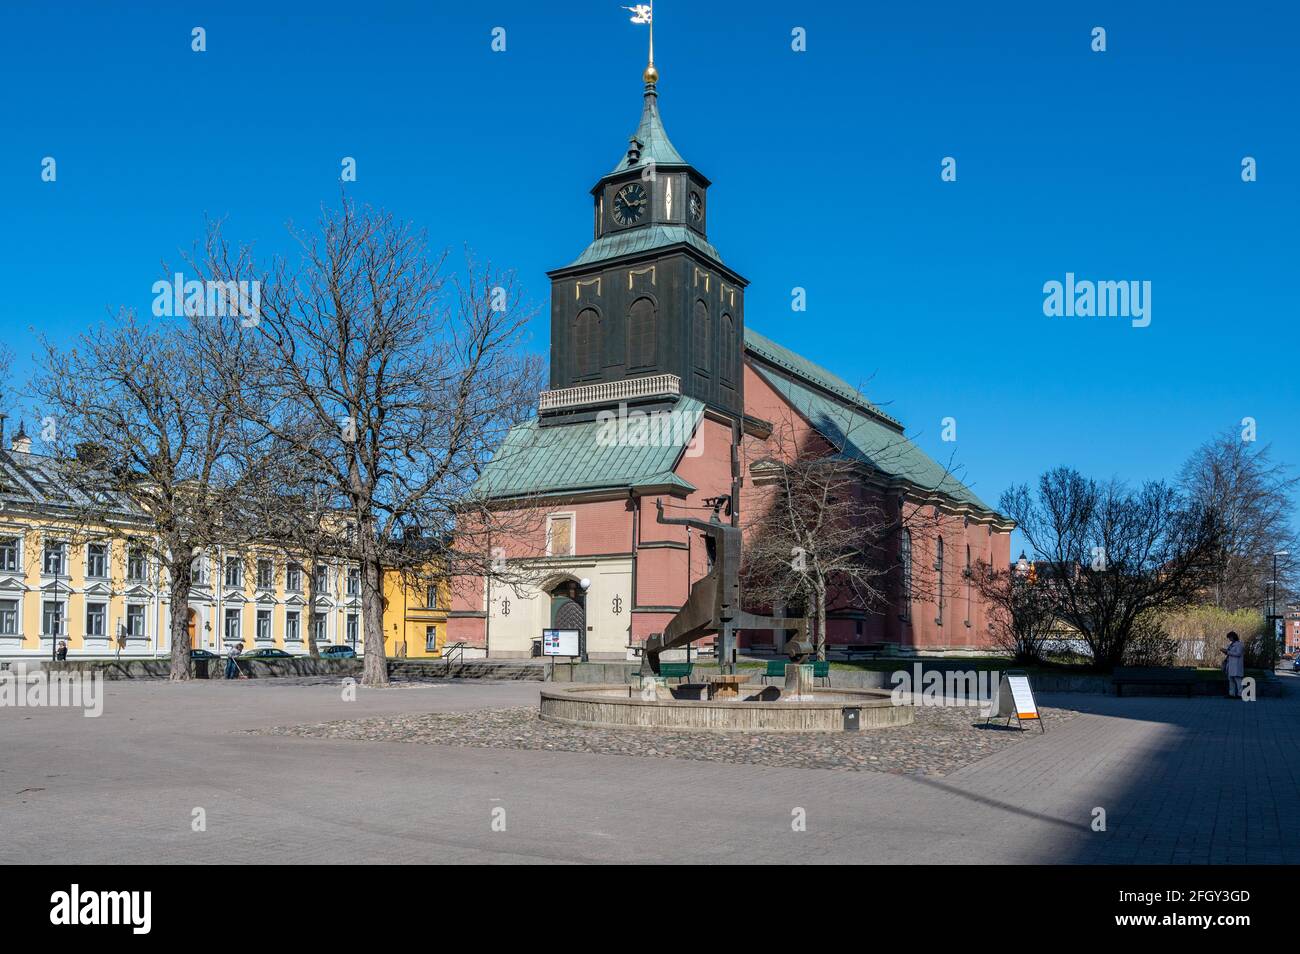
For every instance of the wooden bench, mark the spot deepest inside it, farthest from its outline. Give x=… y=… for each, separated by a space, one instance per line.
x=1183 y=678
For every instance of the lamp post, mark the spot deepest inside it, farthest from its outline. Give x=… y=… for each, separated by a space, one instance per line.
x=1272 y=615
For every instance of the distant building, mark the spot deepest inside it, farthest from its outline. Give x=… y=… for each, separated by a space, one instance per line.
x=648 y=324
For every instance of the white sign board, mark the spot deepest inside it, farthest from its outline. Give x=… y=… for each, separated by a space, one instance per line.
x=560 y=642
x=1016 y=698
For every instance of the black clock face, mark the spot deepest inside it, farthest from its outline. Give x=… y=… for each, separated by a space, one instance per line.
x=696 y=206
x=629 y=204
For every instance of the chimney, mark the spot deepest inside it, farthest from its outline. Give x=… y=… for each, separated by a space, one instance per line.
x=22 y=443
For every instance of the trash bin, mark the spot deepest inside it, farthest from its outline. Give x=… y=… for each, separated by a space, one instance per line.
x=852 y=717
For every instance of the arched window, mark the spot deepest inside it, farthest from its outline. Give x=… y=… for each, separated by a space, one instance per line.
x=727 y=362
x=938 y=571
x=586 y=342
x=905 y=560
x=700 y=342
x=641 y=335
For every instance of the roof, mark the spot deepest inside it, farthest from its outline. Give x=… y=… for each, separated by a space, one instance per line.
x=650 y=133
x=580 y=456
x=37 y=482
x=632 y=241
x=861 y=431
x=773 y=353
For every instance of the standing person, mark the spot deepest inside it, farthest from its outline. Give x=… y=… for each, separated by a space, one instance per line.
x=1234 y=664
x=232 y=667
x=62 y=652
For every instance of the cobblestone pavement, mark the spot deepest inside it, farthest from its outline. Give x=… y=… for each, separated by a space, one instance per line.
x=940 y=741
x=1179 y=780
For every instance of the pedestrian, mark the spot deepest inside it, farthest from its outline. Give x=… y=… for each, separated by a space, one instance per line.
x=1234 y=664
x=232 y=667
x=62 y=652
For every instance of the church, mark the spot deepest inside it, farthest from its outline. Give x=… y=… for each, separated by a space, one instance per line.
x=648 y=327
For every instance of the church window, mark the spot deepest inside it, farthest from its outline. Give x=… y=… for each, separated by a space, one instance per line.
x=701 y=337
x=641 y=334
x=586 y=342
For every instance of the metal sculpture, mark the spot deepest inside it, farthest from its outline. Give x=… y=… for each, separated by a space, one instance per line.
x=713 y=606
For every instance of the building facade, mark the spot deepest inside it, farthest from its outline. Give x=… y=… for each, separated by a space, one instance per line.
x=102 y=591
x=660 y=393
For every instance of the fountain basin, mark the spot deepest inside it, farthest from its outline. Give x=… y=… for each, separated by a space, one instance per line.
x=755 y=709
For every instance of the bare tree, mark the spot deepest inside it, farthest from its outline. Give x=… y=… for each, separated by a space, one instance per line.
x=394 y=381
x=1120 y=553
x=825 y=537
x=1022 y=609
x=1256 y=498
x=144 y=430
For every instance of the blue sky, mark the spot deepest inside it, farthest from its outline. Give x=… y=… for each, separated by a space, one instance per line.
x=1122 y=165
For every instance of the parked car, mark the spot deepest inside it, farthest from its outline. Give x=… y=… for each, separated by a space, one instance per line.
x=338 y=652
x=202 y=654
x=1295 y=664
x=269 y=653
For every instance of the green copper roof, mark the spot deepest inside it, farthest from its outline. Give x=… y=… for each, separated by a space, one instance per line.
x=863 y=437
x=581 y=456
x=652 y=142
x=643 y=239
x=772 y=352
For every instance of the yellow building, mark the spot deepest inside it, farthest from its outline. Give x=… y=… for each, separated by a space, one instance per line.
x=415 y=615
x=106 y=593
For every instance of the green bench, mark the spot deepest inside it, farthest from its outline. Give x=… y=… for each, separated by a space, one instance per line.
x=1183 y=678
x=776 y=668
x=673 y=670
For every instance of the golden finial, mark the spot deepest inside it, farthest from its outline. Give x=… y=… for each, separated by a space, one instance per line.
x=651 y=75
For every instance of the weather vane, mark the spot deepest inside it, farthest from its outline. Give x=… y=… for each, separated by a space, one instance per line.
x=644 y=13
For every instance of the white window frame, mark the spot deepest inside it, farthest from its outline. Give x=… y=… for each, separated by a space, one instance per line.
x=352 y=630
x=142 y=613
x=18 y=554
x=258 y=617
x=293 y=635
x=62 y=604
x=103 y=619
x=270 y=573
x=107 y=557
x=63 y=559
x=233 y=563
x=133 y=555
x=291 y=573
x=17 y=617
x=238 y=617
x=572 y=517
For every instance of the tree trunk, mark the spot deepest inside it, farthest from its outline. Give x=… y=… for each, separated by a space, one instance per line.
x=313 y=650
x=821 y=623
x=375 y=672
x=180 y=572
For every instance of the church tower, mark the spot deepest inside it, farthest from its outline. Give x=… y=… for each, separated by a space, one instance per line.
x=648 y=311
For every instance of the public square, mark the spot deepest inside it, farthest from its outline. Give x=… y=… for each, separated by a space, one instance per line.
x=1202 y=780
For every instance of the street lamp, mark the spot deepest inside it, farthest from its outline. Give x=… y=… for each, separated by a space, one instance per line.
x=1272 y=616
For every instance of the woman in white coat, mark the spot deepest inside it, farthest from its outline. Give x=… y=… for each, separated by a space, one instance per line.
x=1234 y=664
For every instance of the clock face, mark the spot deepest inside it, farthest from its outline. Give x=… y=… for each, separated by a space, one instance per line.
x=696 y=206
x=629 y=203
